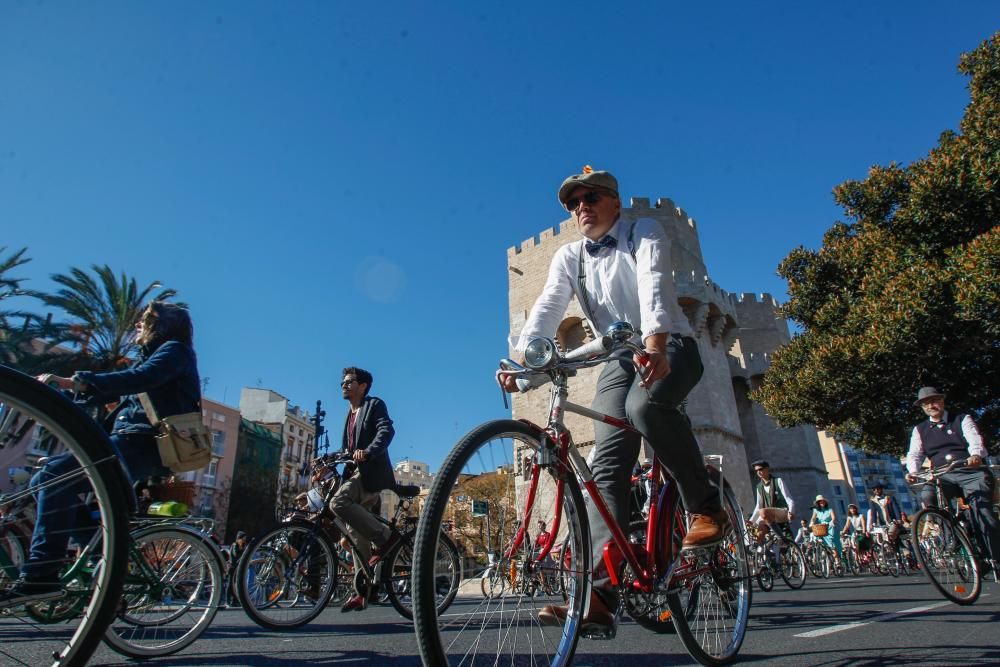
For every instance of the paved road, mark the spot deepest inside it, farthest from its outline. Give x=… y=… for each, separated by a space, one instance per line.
x=851 y=621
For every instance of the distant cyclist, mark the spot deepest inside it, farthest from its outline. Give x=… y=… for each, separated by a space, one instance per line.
x=944 y=434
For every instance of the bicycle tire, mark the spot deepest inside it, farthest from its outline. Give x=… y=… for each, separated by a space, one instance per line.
x=711 y=611
x=851 y=560
x=474 y=623
x=23 y=401
x=399 y=570
x=793 y=566
x=286 y=577
x=12 y=557
x=164 y=621
x=765 y=579
x=953 y=569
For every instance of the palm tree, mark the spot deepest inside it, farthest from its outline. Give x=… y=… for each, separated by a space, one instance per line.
x=13 y=335
x=103 y=310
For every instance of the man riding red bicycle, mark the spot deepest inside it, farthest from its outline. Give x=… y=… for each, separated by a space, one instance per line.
x=621 y=271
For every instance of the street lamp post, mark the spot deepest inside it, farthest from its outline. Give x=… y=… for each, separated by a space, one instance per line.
x=320 y=430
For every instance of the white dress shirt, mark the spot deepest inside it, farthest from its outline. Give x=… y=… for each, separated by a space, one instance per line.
x=915 y=457
x=640 y=292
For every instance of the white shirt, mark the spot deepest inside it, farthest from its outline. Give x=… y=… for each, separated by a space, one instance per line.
x=639 y=292
x=915 y=457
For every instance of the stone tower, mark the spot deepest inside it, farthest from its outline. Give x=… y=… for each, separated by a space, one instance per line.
x=795 y=453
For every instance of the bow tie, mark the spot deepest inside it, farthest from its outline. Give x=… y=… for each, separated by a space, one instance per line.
x=606 y=242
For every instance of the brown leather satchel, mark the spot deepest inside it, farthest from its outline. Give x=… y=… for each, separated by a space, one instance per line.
x=184 y=441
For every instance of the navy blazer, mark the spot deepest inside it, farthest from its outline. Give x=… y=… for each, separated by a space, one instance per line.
x=373 y=432
x=168 y=374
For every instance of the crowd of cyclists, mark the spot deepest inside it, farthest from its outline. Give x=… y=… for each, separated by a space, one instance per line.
x=285 y=577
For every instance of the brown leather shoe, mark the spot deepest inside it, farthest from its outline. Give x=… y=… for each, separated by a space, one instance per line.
x=706 y=529
x=599 y=618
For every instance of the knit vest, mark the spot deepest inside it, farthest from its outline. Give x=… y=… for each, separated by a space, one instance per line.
x=943 y=438
x=774 y=499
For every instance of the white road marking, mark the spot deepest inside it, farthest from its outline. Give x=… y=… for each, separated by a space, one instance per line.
x=875 y=619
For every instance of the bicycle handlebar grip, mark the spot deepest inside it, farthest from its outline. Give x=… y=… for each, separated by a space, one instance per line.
x=524 y=384
x=594 y=347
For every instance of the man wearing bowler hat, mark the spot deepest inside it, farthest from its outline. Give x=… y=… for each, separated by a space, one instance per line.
x=942 y=435
x=621 y=272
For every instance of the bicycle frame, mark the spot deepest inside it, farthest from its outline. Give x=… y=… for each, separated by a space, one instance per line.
x=649 y=562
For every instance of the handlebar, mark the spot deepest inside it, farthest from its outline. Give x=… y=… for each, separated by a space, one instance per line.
x=596 y=352
x=928 y=476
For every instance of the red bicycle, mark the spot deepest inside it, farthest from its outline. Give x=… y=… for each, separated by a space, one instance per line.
x=531 y=472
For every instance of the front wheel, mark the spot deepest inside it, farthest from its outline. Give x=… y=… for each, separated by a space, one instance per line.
x=793 y=566
x=490 y=464
x=946 y=555
x=82 y=480
x=398 y=572
x=765 y=579
x=172 y=592
x=711 y=607
x=287 y=576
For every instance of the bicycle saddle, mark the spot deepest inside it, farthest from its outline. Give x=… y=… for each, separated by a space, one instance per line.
x=407 y=490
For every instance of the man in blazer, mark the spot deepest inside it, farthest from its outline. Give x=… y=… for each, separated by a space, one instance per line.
x=367 y=434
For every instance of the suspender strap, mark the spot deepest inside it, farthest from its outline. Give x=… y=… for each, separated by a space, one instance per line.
x=581 y=276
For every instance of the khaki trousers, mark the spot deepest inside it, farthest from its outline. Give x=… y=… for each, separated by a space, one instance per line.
x=352 y=504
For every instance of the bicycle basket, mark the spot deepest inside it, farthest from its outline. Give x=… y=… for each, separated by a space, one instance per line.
x=820 y=529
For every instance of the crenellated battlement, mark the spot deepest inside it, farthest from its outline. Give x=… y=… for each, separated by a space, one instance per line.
x=752 y=297
x=665 y=210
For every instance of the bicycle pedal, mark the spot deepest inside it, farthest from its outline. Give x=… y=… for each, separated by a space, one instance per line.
x=599 y=632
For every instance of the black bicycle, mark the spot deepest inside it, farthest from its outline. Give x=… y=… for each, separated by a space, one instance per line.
x=946 y=554
x=288 y=575
x=37 y=421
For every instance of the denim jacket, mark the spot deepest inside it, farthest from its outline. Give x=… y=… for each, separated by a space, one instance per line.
x=168 y=374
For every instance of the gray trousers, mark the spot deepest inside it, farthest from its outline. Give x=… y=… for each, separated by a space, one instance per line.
x=352 y=504
x=977 y=488
x=656 y=413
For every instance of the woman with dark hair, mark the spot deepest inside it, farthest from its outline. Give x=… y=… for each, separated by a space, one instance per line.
x=167 y=372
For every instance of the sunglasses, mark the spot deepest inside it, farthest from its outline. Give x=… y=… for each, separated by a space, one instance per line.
x=590 y=198
x=348 y=383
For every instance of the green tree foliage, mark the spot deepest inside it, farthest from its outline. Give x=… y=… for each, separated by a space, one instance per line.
x=14 y=324
x=103 y=309
x=24 y=336
x=905 y=294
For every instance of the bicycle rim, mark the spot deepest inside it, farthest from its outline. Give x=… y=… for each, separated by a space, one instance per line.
x=504 y=629
x=398 y=575
x=793 y=566
x=286 y=577
x=164 y=613
x=711 y=609
x=38 y=421
x=946 y=556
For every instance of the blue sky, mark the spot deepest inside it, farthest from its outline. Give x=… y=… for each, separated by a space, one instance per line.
x=331 y=184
